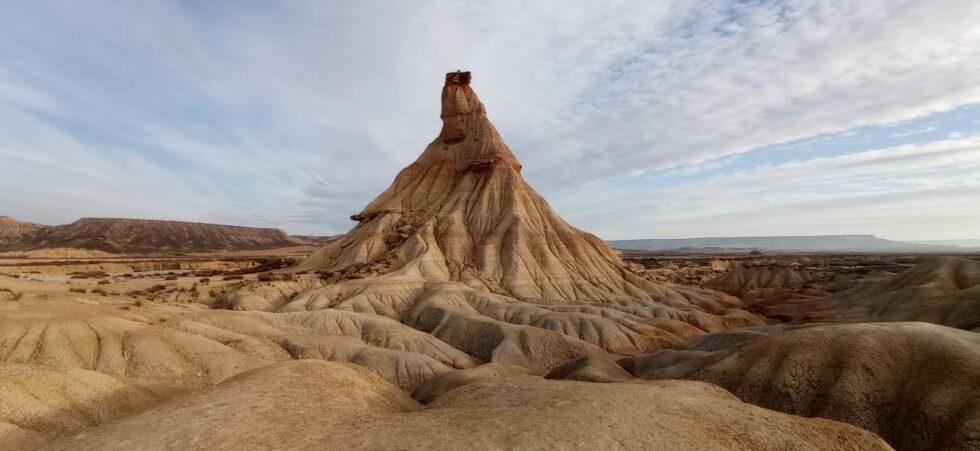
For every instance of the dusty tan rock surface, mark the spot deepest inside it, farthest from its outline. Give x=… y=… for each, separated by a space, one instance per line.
x=915 y=384
x=39 y=400
x=590 y=369
x=314 y=404
x=439 y=384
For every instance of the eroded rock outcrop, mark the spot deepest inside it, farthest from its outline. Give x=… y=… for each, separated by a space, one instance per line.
x=915 y=384
x=941 y=290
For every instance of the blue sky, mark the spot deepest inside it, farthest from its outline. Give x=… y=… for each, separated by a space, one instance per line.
x=635 y=119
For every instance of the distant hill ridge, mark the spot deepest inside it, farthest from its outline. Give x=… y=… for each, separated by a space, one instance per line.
x=123 y=235
x=12 y=230
x=816 y=243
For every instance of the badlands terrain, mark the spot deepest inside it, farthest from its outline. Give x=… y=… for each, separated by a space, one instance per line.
x=462 y=312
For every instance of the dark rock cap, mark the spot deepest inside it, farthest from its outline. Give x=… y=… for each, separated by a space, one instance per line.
x=458 y=78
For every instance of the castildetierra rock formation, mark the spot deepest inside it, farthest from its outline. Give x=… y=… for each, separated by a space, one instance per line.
x=462 y=248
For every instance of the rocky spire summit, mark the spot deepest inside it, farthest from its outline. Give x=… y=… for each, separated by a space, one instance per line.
x=467 y=133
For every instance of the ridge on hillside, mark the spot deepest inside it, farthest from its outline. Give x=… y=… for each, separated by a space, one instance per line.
x=133 y=236
x=12 y=230
x=939 y=289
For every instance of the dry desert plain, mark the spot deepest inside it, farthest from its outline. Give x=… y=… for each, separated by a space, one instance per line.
x=462 y=312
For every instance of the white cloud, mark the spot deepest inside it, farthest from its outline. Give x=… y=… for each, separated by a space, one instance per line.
x=905 y=192
x=296 y=113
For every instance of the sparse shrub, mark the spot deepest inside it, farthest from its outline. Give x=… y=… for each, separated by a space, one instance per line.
x=205 y=279
x=269 y=277
x=156 y=288
x=99 y=291
x=170 y=278
x=16 y=295
x=125 y=307
x=77 y=290
x=89 y=275
x=232 y=278
x=103 y=282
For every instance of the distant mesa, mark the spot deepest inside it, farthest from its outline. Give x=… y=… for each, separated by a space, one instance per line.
x=814 y=243
x=146 y=236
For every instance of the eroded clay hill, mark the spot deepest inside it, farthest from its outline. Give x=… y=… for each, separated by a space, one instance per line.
x=941 y=290
x=123 y=236
x=12 y=230
x=915 y=384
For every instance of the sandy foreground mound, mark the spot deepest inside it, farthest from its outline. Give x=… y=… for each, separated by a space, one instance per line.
x=915 y=384
x=314 y=404
x=36 y=401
